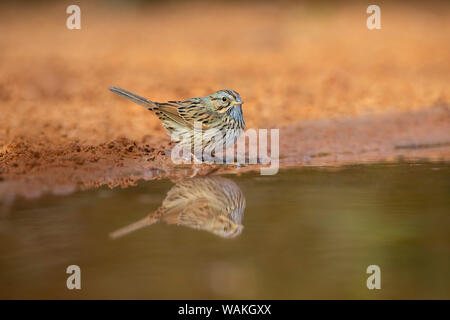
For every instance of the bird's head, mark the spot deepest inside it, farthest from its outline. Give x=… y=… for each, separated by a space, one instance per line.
x=223 y=100
x=225 y=227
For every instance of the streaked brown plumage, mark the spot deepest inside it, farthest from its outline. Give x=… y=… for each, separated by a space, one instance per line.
x=218 y=115
x=214 y=204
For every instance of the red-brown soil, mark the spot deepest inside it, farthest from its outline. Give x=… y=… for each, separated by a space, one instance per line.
x=339 y=93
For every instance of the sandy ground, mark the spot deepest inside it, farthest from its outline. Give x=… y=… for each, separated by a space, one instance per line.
x=339 y=93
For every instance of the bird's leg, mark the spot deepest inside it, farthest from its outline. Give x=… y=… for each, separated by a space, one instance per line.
x=195 y=159
x=213 y=169
x=195 y=165
x=196 y=169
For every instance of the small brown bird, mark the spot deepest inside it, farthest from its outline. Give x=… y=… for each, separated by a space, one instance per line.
x=218 y=116
x=214 y=204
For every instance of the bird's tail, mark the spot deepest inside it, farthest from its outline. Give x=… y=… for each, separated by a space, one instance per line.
x=150 y=105
x=147 y=221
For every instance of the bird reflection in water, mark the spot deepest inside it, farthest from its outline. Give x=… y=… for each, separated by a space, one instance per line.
x=210 y=203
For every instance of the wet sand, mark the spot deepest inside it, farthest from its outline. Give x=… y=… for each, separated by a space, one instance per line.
x=339 y=93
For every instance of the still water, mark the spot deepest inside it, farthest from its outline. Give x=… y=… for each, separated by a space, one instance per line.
x=303 y=233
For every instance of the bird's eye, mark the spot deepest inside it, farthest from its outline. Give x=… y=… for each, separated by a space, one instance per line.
x=224 y=99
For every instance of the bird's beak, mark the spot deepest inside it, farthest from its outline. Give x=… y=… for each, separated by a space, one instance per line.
x=238 y=102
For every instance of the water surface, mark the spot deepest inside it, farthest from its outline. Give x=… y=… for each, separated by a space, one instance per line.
x=307 y=233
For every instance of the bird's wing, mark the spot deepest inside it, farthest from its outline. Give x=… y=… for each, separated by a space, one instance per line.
x=187 y=112
x=195 y=214
x=170 y=111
